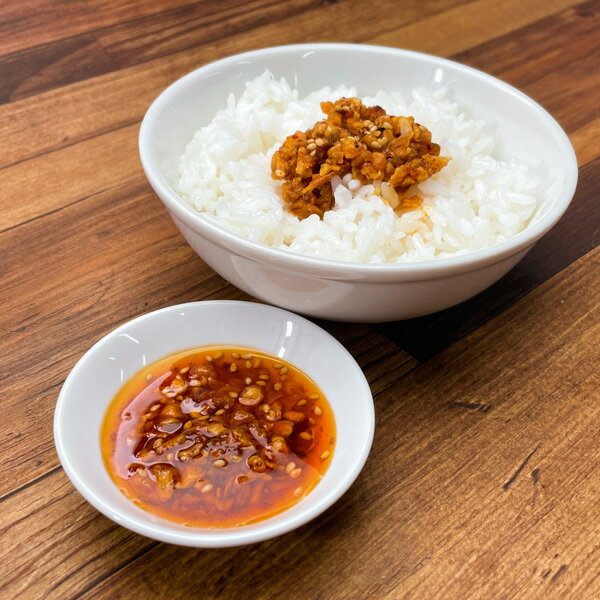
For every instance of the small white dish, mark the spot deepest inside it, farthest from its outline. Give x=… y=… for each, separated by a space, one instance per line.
x=103 y=369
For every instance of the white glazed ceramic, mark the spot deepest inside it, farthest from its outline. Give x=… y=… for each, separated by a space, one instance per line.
x=336 y=290
x=99 y=374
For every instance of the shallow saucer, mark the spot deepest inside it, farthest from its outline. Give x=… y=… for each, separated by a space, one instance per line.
x=103 y=369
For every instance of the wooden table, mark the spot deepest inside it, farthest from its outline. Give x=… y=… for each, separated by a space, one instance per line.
x=483 y=481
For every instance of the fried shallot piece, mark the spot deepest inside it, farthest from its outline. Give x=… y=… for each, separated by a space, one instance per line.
x=358 y=139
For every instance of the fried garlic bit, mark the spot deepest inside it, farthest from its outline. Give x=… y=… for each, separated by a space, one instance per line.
x=358 y=139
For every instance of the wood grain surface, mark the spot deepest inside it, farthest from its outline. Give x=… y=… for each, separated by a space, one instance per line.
x=483 y=481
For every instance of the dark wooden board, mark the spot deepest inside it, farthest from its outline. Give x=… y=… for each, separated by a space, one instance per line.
x=483 y=479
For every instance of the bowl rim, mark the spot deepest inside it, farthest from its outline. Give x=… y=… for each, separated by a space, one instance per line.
x=216 y=538
x=332 y=268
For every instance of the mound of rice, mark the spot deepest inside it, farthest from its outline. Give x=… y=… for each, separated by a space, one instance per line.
x=474 y=202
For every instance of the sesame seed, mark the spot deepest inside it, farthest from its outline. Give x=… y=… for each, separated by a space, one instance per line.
x=220 y=462
x=313 y=396
x=248 y=380
x=290 y=466
x=232 y=367
x=295 y=473
x=277 y=386
x=207 y=488
x=235 y=355
x=184 y=370
x=317 y=410
x=319 y=142
x=305 y=435
x=325 y=455
x=283 y=370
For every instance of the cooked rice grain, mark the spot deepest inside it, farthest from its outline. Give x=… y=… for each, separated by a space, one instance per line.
x=474 y=202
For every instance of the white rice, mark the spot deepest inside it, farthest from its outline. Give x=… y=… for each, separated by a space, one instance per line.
x=474 y=202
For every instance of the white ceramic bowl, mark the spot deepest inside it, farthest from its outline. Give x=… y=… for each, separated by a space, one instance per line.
x=99 y=374
x=336 y=290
